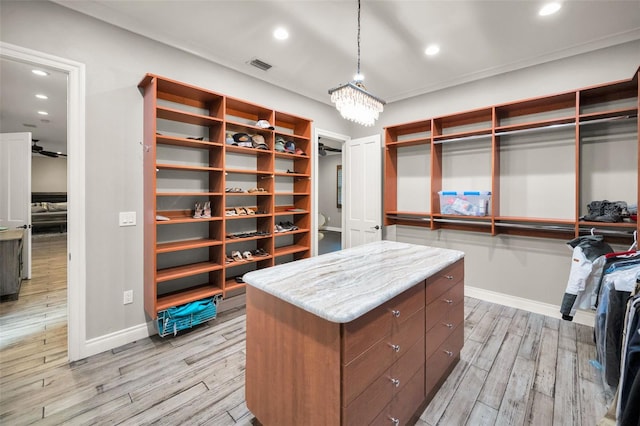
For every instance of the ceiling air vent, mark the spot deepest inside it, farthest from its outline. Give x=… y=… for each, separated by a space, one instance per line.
x=33 y=126
x=260 y=64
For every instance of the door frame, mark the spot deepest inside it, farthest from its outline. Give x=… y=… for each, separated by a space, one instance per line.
x=317 y=134
x=76 y=238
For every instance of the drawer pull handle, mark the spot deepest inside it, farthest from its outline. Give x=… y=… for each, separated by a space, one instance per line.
x=448 y=301
x=449 y=353
x=449 y=277
x=448 y=325
x=395 y=313
x=395 y=382
x=396 y=348
x=394 y=421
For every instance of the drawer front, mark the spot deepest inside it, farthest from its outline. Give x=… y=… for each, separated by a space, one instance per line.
x=363 y=370
x=362 y=333
x=443 y=357
x=393 y=381
x=444 y=280
x=442 y=330
x=438 y=309
x=403 y=406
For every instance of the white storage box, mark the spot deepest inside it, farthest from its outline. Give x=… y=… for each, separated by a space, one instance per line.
x=467 y=203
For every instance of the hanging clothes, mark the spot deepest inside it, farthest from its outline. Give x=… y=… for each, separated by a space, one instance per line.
x=584 y=277
x=618 y=282
x=628 y=406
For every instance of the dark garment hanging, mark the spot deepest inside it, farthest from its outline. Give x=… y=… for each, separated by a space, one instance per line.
x=629 y=388
x=617 y=307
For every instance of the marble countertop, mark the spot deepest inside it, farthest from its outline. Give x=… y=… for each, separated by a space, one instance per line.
x=343 y=285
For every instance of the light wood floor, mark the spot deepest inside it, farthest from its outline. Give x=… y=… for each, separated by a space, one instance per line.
x=517 y=368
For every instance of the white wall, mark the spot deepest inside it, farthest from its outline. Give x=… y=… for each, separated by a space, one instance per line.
x=48 y=174
x=327 y=190
x=531 y=268
x=116 y=61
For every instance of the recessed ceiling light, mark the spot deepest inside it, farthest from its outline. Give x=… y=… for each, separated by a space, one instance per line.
x=43 y=113
x=358 y=77
x=432 y=49
x=281 y=33
x=549 y=9
x=41 y=96
x=40 y=73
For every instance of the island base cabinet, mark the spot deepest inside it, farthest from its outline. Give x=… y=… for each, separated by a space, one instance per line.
x=402 y=409
x=443 y=360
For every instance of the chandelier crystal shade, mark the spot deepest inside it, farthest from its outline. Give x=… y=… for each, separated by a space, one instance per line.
x=352 y=99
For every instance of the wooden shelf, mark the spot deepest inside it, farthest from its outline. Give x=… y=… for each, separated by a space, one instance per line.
x=191 y=295
x=569 y=112
x=292 y=249
x=186 y=245
x=186 y=270
x=171 y=107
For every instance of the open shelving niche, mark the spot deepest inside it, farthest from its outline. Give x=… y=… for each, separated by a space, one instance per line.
x=187 y=160
x=543 y=159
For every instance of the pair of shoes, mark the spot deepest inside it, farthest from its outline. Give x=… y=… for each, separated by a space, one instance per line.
x=287 y=226
x=257 y=190
x=202 y=211
x=237 y=256
x=260 y=252
x=233 y=190
x=239 y=279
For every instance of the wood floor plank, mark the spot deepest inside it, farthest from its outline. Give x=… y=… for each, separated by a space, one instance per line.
x=516 y=397
x=496 y=383
x=545 y=379
x=540 y=411
x=465 y=397
x=482 y=415
x=567 y=395
x=487 y=355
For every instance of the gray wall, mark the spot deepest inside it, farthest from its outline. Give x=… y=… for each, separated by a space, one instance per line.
x=116 y=61
x=48 y=174
x=327 y=184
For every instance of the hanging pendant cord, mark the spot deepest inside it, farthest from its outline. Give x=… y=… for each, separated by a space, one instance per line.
x=358 y=36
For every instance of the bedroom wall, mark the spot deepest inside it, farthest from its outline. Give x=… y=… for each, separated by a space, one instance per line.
x=48 y=174
x=116 y=61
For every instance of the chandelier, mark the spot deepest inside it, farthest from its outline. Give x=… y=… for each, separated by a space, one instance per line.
x=352 y=99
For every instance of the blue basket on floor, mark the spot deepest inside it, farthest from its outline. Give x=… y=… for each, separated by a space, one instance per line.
x=172 y=320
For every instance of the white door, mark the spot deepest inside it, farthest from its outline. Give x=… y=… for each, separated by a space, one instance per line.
x=362 y=191
x=15 y=189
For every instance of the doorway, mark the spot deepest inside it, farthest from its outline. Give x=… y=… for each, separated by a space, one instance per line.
x=74 y=255
x=329 y=191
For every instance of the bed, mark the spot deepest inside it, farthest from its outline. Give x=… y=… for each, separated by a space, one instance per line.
x=49 y=211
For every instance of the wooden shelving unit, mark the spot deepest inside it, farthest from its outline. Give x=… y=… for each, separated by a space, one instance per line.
x=573 y=129
x=188 y=160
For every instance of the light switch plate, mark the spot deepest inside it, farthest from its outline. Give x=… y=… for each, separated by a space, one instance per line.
x=127 y=218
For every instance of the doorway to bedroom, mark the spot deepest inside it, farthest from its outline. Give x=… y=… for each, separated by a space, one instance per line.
x=34 y=322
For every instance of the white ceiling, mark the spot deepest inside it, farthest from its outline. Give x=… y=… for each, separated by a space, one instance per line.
x=478 y=38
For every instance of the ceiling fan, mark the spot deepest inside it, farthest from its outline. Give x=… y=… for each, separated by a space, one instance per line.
x=322 y=149
x=40 y=150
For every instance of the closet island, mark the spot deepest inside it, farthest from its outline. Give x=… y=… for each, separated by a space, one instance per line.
x=364 y=335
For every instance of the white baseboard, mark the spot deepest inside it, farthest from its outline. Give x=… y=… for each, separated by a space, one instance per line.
x=581 y=317
x=331 y=228
x=113 y=340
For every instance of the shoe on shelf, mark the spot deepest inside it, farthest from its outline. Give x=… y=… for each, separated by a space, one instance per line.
x=206 y=210
x=247 y=255
x=237 y=256
x=198 y=211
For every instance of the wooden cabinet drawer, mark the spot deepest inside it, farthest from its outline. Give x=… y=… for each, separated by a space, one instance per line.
x=403 y=405
x=443 y=280
x=438 y=310
x=362 y=333
x=442 y=330
x=363 y=370
x=437 y=365
x=391 y=382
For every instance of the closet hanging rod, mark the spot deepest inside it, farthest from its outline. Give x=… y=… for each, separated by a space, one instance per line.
x=461 y=138
x=592 y=231
x=412 y=218
x=464 y=222
x=558 y=228
x=535 y=129
x=603 y=120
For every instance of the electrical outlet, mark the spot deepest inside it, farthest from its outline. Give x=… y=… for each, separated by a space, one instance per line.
x=128 y=297
x=127 y=218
